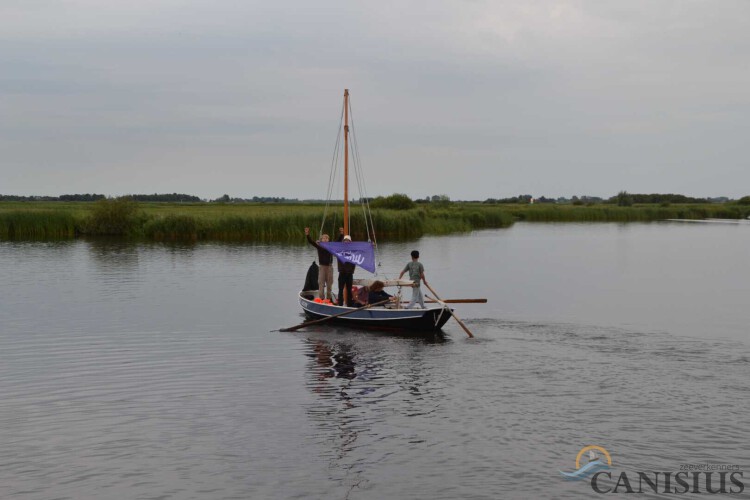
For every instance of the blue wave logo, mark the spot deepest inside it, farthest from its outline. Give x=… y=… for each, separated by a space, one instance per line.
x=594 y=465
x=585 y=471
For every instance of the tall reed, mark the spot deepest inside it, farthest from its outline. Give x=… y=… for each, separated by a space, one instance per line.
x=612 y=213
x=269 y=223
x=36 y=224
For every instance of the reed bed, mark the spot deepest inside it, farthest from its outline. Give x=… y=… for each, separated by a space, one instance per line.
x=285 y=223
x=37 y=225
x=637 y=213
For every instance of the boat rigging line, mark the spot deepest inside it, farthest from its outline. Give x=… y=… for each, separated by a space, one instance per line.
x=361 y=186
x=332 y=177
x=359 y=176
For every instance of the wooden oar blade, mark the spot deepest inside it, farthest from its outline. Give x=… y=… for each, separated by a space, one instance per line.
x=465 y=301
x=452 y=301
x=458 y=320
x=458 y=301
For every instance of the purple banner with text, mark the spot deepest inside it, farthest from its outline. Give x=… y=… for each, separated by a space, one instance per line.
x=359 y=253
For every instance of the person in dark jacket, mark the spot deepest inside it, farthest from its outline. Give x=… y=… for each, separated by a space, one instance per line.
x=311 y=280
x=325 y=272
x=346 y=275
x=377 y=294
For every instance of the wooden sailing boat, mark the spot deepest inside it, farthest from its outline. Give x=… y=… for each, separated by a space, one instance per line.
x=379 y=317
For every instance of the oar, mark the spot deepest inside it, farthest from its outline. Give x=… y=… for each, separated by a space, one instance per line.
x=456 y=301
x=468 y=332
x=315 y=321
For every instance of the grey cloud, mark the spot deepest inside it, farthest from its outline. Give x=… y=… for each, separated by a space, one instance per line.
x=492 y=98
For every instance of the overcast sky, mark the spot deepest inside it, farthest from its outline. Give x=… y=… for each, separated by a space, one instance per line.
x=473 y=99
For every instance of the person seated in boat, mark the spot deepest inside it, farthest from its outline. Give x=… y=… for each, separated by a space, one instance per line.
x=346 y=274
x=361 y=295
x=325 y=269
x=377 y=294
x=372 y=294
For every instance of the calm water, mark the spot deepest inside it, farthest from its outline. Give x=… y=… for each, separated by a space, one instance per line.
x=151 y=371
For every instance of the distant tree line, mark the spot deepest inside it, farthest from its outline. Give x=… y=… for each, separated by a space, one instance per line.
x=64 y=197
x=522 y=198
x=401 y=201
x=174 y=197
x=255 y=199
x=623 y=198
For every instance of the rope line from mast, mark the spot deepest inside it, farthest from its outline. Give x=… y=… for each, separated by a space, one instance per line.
x=360 y=175
x=360 y=179
x=332 y=176
x=363 y=186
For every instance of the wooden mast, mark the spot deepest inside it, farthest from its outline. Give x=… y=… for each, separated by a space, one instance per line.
x=346 y=161
x=346 y=177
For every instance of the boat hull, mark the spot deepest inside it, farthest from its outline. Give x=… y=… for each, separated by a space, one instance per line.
x=380 y=318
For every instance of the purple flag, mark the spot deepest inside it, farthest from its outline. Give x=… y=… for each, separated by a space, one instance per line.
x=360 y=253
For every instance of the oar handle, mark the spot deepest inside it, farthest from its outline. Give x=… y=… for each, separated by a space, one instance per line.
x=455 y=301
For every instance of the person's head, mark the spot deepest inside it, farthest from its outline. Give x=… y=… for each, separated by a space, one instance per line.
x=347 y=239
x=377 y=286
x=415 y=254
x=324 y=237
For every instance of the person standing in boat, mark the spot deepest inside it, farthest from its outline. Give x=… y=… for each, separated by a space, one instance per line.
x=416 y=274
x=346 y=274
x=325 y=271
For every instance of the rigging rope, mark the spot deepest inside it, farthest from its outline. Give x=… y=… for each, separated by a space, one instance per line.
x=360 y=179
x=332 y=176
x=364 y=200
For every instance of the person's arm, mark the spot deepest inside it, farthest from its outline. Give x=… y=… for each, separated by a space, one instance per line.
x=309 y=239
x=402 y=272
x=421 y=273
x=423 y=278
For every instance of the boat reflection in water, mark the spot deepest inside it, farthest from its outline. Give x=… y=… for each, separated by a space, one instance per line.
x=332 y=360
x=332 y=368
x=368 y=386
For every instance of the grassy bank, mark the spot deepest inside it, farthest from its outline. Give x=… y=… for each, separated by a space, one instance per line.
x=635 y=213
x=248 y=222
x=272 y=222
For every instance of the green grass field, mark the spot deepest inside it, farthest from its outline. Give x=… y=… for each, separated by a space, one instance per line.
x=284 y=223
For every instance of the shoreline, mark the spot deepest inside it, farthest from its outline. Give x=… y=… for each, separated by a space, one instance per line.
x=261 y=222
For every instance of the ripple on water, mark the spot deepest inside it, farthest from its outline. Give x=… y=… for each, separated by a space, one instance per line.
x=533 y=394
x=194 y=398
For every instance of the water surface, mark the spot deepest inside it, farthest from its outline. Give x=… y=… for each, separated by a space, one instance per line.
x=151 y=371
